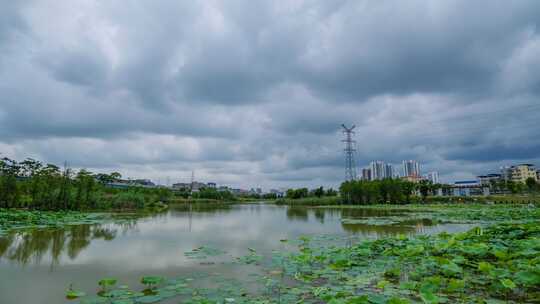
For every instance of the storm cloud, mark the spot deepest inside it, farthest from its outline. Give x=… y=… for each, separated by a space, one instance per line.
x=252 y=93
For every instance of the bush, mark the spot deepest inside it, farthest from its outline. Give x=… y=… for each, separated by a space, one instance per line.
x=129 y=200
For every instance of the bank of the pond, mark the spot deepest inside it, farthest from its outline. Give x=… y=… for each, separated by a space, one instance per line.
x=459 y=213
x=491 y=199
x=310 y=201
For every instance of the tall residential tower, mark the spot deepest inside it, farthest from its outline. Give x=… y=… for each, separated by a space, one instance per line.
x=411 y=168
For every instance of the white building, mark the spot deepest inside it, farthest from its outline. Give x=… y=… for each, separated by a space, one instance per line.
x=411 y=168
x=377 y=170
x=388 y=171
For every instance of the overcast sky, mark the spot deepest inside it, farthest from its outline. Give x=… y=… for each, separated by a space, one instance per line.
x=253 y=93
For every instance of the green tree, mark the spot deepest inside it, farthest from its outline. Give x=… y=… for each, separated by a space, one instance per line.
x=425 y=188
x=318 y=192
x=331 y=192
x=531 y=183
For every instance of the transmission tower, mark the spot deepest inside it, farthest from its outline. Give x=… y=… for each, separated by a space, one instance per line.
x=350 y=162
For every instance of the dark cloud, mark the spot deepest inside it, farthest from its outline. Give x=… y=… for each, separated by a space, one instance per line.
x=253 y=93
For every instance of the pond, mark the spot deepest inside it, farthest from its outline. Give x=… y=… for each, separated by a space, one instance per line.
x=37 y=266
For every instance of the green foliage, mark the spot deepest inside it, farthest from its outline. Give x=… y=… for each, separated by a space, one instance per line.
x=311 y=201
x=531 y=184
x=33 y=185
x=297 y=193
x=211 y=193
x=152 y=281
x=74 y=294
x=394 y=191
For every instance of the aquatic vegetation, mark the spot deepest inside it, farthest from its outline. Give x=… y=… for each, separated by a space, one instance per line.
x=74 y=294
x=448 y=213
x=500 y=262
x=203 y=252
x=483 y=265
x=152 y=281
x=251 y=258
x=495 y=262
x=372 y=221
x=13 y=219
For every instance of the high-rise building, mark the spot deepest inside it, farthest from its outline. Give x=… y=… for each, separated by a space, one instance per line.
x=366 y=174
x=433 y=177
x=380 y=170
x=388 y=171
x=411 y=168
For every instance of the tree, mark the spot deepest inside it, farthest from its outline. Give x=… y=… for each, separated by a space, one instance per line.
x=424 y=187
x=318 y=192
x=297 y=193
x=9 y=192
x=331 y=192
x=85 y=187
x=407 y=188
x=531 y=183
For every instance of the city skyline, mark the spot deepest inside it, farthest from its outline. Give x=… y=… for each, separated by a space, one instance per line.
x=157 y=89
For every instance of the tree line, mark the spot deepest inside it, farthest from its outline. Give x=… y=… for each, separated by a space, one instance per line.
x=305 y=192
x=395 y=191
x=35 y=185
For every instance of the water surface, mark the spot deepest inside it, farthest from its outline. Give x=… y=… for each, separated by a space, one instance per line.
x=37 y=266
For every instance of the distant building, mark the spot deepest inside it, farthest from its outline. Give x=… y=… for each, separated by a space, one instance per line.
x=378 y=170
x=182 y=186
x=197 y=186
x=468 y=188
x=522 y=172
x=366 y=174
x=489 y=179
x=411 y=168
x=506 y=173
x=388 y=171
x=519 y=173
x=143 y=182
x=412 y=179
x=211 y=185
x=433 y=177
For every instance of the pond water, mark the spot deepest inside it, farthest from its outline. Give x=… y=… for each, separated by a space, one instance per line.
x=38 y=266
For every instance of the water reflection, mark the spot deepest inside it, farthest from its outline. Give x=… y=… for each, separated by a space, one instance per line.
x=49 y=260
x=297 y=213
x=53 y=244
x=34 y=245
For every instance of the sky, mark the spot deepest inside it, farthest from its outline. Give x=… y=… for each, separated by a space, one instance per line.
x=253 y=93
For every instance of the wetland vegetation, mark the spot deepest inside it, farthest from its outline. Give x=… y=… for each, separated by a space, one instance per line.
x=259 y=253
